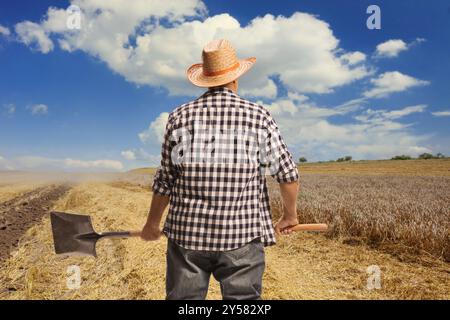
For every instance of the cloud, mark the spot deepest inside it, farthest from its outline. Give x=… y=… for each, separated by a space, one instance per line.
x=154 y=134
x=321 y=133
x=4 y=31
x=444 y=113
x=390 y=82
x=383 y=116
x=301 y=50
x=391 y=48
x=38 y=109
x=9 y=109
x=95 y=164
x=4 y=164
x=67 y=164
x=32 y=34
x=418 y=41
x=128 y=154
x=353 y=58
x=395 y=114
x=142 y=157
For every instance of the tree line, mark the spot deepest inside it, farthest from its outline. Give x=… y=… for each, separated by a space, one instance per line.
x=423 y=156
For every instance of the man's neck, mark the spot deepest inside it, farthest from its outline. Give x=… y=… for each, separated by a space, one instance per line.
x=228 y=86
x=231 y=87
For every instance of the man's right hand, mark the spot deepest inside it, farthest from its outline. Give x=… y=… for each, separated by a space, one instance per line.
x=150 y=233
x=284 y=225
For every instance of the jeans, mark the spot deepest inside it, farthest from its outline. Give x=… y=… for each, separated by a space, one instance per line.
x=238 y=271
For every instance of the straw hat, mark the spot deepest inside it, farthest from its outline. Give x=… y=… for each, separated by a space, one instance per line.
x=220 y=65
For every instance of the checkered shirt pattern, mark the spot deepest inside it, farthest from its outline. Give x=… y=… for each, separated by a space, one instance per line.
x=211 y=168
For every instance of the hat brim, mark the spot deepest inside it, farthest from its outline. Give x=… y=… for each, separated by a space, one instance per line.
x=196 y=76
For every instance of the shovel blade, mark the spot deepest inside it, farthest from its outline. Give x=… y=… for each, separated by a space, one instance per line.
x=67 y=228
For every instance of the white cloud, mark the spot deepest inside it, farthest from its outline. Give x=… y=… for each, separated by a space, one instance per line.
x=95 y=164
x=128 y=154
x=149 y=159
x=141 y=157
x=68 y=164
x=390 y=82
x=391 y=48
x=419 y=40
x=395 y=114
x=372 y=134
x=353 y=58
x=297 y=97
x=38 y=109
x=445 y=113
x=154 y=134
x=9 y=109
x=32 y=34
x=4 y=31
x=106 y=24
x=301 y=49
x=384 y=116
x=5 y=165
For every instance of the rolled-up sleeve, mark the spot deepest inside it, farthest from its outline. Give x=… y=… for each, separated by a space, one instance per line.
x=278 y=158
x=166 y=173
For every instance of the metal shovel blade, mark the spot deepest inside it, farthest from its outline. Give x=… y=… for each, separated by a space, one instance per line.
x=73 y=234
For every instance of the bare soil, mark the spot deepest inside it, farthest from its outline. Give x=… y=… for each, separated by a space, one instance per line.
x=20 y=213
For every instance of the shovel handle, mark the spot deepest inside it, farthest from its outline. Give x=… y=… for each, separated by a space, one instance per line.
x=120 y=234
x=135 y=233
x=320 y=227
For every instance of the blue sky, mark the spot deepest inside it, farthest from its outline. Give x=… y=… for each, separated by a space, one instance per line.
x=96 y=98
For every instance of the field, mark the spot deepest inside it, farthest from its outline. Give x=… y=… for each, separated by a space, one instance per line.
x=391 y=214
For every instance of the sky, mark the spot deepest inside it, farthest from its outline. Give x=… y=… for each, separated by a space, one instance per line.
x=87 y=85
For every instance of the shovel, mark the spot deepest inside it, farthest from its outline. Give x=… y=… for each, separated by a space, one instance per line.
x=73 y=234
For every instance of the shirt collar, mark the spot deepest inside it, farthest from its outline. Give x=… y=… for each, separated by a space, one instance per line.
x=219 y=90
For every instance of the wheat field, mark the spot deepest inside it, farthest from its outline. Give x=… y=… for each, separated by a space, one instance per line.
x=398 y=222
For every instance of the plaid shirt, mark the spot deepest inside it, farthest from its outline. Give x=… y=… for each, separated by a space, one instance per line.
x=213 y=153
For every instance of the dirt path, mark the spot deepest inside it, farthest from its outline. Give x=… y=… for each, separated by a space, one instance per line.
x=20 y=213
x=301 y=266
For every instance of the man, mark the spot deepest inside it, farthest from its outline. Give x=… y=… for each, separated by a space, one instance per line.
x=214 y=154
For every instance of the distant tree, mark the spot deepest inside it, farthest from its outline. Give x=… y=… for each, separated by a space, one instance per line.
x=402 y=157
x=302 y=159
x=426 y=156
x=346 y=158
x=440 y=156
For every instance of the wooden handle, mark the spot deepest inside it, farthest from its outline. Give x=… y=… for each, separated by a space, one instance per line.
x=319 y=227
x=135 y=233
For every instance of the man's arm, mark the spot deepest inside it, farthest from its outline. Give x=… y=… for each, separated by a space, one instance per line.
x=151 y=229
x=289 y=192
x=285 y=171
x=162 y=186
